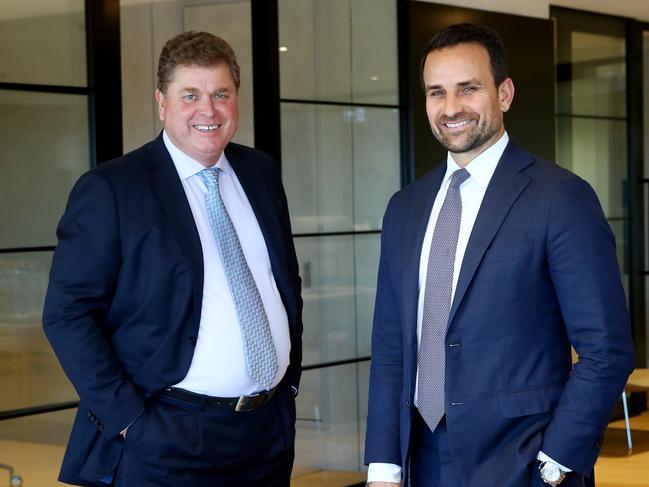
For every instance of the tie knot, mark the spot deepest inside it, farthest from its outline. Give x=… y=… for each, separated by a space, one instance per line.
x=458 y=177
x=210 y=176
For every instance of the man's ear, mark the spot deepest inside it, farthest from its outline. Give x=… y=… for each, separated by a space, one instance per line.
x=506 y=94
x=161 y=100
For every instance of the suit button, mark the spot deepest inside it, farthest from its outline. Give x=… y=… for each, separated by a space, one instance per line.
x=598 y=443
x=455 y=345
x=89 y=413
x=192 y=340
x=407 y=403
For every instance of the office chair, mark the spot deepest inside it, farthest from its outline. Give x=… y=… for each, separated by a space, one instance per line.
x=14 y=480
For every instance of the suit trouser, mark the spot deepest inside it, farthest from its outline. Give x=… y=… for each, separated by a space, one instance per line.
x=177 y=443
x=430 y=460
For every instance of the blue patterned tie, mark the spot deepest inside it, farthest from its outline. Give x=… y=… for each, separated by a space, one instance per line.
x=437 y=304
x=257 y=339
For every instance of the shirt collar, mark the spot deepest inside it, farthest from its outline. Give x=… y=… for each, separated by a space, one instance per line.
x=482 y=167
x=187 y=166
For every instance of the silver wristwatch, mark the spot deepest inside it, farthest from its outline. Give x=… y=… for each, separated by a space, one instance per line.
x=551 y=473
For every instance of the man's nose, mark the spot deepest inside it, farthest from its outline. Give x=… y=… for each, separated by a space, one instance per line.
x=207 y=106
x=452 y=105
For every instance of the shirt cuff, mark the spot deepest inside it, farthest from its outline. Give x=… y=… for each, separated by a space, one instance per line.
x=544 y=458
x=383 y=472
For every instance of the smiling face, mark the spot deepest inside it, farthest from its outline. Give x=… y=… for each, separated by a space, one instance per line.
x=464 y=106
x=199 y=111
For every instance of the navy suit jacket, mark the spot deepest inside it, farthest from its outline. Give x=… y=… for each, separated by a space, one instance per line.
x=539 y=274
x=124 y=301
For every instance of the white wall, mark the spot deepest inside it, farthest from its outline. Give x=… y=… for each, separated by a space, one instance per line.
x=636 y=9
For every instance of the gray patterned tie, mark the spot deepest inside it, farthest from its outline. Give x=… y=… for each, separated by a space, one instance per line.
x=257 y=339
x=437 y=303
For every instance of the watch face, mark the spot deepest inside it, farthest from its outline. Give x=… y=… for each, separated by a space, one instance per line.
x=550 y=472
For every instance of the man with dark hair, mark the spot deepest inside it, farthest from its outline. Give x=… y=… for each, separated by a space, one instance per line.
x=174 y=298
x=492 y=266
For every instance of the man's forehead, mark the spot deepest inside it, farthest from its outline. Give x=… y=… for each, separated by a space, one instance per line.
x=460 y=64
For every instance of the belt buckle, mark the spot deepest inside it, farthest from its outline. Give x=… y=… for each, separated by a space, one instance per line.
x=251 y=402
x=247 y=403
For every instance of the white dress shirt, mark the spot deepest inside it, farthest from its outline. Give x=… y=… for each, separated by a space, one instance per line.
x=219 y=366
x=472 y=192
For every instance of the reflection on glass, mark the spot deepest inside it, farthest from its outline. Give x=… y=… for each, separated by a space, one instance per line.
x=44 y=140
x=43 y=42
x=340 y=165
x=339 y=283
x=29 y=372
x=338 y=50
x=595 y=149
x=330 y=418
x=34 y=446
x=597 y=85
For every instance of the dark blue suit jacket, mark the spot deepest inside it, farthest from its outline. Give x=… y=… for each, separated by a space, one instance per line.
x=539 y=274
x=123 y=305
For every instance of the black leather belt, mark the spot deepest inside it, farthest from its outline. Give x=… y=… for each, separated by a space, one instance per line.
x=239 y=404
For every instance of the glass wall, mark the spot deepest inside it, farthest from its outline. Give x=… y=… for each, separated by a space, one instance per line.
x=591 y=113
x=340 y=165
x=45 y=145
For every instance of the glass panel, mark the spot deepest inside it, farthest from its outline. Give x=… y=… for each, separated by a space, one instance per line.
x=367 y=251
x=315 y=57
x=30 y=374
x=44 y=140
x=597 y=82
x=374 y=52
x=339 y=283
x=596 y=150
x=340 y=165
x=146 y=26
x=338 y=50
x=43 y=42
x=34 y=447
x=330 y=415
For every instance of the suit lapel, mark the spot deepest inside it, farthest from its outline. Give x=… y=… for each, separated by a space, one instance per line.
x=265 y=210
x=506 y=185
x=419 y=210
x=171 y=195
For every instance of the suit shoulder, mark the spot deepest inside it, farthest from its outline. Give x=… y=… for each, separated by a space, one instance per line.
x=250 y=155
x=423 y=183
x=127 y=165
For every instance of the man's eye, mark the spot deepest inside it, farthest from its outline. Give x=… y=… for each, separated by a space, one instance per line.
x=435 y=93
x=220 y=96
x=190 y=97
x=469 y=89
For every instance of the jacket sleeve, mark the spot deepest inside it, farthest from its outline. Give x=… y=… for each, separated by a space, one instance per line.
x=382 y=441
x=84 y=273
x=585 y=274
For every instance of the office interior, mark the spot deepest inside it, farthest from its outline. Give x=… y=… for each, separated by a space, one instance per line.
x=330 y=88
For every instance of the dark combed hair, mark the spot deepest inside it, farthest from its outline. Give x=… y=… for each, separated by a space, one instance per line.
x=470 y=34
x=195 y=49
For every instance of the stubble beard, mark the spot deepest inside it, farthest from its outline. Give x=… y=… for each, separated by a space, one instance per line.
x=479 y=136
